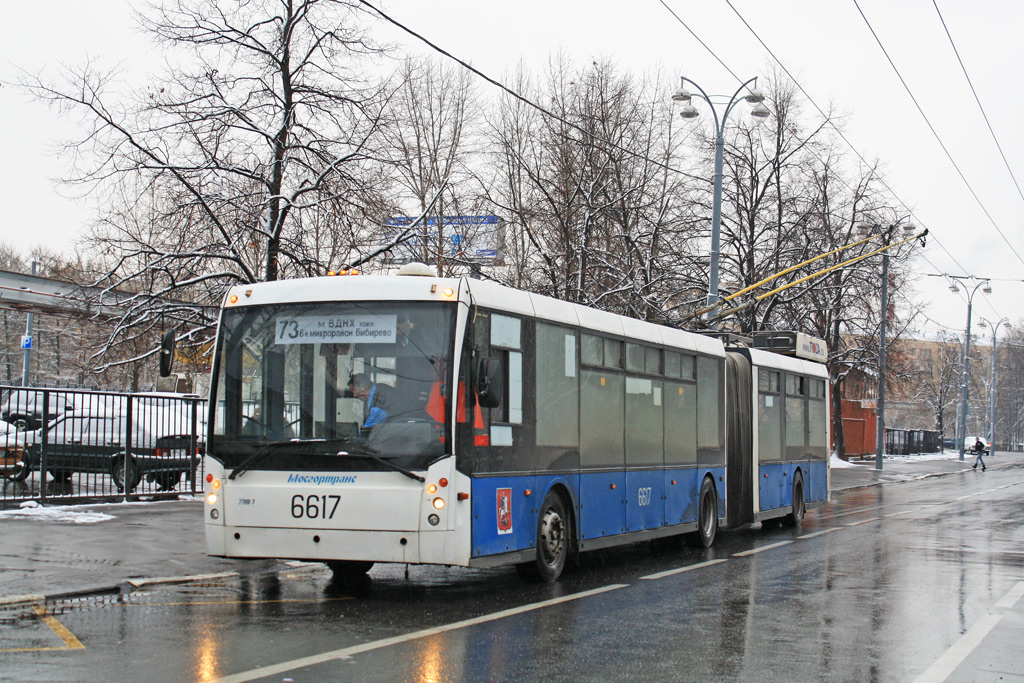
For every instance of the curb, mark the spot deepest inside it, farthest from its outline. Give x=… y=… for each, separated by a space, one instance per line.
x=34 y=599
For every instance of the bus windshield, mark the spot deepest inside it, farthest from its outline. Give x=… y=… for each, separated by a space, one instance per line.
x=300 y=386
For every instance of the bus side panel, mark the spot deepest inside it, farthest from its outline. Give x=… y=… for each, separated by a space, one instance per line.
x=644 y=495
x=504 y=516
x=776 y=488
x=681 y=489
x=816 y=481
x=602 y=511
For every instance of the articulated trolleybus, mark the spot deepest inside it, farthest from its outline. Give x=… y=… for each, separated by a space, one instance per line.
x=427 y=420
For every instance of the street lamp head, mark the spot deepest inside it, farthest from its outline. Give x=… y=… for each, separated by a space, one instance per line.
x=682 y=95
x=987 y=288
x=760 y=111
x=689 y=112
x=864 y=229
x=953 y=288
x=908 y=228
x=754 y=96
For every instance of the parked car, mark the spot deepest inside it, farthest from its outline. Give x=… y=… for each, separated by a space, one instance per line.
x=24 y=409
x=84 y=442
x=12 y=453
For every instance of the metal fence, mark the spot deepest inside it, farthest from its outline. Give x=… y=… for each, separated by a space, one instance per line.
x=87 y=445
x=912 y=441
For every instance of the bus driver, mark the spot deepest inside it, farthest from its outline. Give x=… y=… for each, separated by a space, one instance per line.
x=381 y=402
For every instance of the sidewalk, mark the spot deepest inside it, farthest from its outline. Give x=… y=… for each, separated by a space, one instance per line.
x=52 y=552
x=906 y=468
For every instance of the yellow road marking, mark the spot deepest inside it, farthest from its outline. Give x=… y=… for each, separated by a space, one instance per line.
x=70 y=641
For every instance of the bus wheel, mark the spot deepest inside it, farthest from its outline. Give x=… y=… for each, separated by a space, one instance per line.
x=797 y=515
x=552 y=542
x=707 y=521
x=348 y=569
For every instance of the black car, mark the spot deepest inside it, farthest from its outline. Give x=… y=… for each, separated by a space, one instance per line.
x=99 y=444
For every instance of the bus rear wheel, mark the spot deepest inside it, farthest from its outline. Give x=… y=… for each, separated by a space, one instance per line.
x=799 y=507
x=552 y=542
x=707 y=516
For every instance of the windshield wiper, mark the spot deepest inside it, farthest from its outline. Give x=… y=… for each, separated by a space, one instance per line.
x=386 y=463
x=263 y=450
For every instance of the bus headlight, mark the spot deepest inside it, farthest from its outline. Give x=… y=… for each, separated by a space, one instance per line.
x=211 y=498
x=434 y=520
x=438 y=503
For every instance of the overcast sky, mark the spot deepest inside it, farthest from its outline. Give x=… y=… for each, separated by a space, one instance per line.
x=827 y=46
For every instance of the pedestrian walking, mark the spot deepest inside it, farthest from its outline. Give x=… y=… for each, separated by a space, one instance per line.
x=979 y=449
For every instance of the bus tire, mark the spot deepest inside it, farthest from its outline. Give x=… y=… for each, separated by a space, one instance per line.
x=795 y=517
x=707 y=516
x=552 y=542
x=349 y=569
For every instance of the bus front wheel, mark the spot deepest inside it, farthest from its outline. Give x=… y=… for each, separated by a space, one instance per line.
x=552 y=542
x=707 y=519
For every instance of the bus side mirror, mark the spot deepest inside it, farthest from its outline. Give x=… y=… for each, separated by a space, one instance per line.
x=488 y=383
x=167 y=353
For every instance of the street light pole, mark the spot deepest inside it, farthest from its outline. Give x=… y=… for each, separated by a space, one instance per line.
x=886 y=233
x=753 y=97
x=992 y=381
x=962 y=418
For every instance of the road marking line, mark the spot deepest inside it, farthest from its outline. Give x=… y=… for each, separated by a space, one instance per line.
x=899 y=514
x=820 y=533
x=1011 y=598
x=62 y=632
x=680 y=570
x=763 y=548
x=864 y=521
x=345 y=652
x=945 y=665
x=70 y=641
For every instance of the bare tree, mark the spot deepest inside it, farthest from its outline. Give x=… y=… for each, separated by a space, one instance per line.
x=239 y=164
x=595 y=206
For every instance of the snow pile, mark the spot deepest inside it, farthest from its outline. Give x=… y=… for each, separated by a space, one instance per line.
x=30 y=509
x=835 y=462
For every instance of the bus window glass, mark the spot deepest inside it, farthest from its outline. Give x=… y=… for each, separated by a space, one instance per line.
x=644 y=419
x=612 y=353
x=652 y=360
x=601 y=423
x=634 y=357
x=557 y=387
x=796 y=423
x=285 y=372
x=689 y=368
x=709 y=401
x=591 y=350
x=769 y=417
x=680 y=423
x=817 y=428
x=673 y=364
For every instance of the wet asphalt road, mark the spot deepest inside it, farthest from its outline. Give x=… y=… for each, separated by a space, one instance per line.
x=887 y=583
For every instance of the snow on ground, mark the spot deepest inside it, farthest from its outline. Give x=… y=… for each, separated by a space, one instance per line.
x=837 y=463
x=36 y=512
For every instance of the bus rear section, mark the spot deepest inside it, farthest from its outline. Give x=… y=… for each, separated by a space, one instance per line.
x=779 y=437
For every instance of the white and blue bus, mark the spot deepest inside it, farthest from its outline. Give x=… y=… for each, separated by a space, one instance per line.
x=453 y=421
